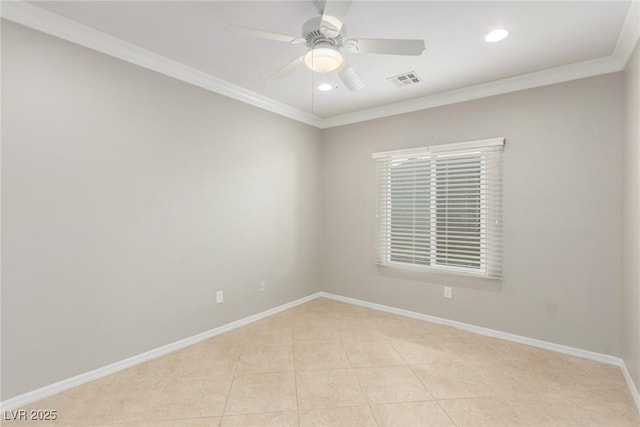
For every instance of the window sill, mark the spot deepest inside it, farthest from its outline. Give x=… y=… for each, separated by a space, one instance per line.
x=459 y=271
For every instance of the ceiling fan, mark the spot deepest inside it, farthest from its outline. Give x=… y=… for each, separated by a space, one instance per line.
x=325 y=36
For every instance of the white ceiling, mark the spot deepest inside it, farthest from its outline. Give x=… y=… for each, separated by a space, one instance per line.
x=543 y=35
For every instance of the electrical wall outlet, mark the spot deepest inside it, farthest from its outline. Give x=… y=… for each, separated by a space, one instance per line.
x=447 y=292
x=263 y=285
x=219 y=297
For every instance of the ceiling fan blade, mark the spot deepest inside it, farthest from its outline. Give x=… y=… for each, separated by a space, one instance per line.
x=386 y=46
x=333 y=16
x=284 y=71
x=264 y=34
x=349 y=77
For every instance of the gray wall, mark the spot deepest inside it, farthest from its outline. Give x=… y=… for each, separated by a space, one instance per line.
x=128 y=199
x=631 y=219
x=562 y=209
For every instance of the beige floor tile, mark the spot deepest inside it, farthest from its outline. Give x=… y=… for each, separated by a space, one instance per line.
x=399 y=328
x=483 y=411
x=261 y=335
x=357 y=332
x=453 y=380
x=555 y=409
x=186 y=422
x=165 y=399
x=513 y=351
x=415 y=352
x=609 y=396
x=314 y=331
x=605 y=406
x=502 y=377
x=191 y=422
x=359 y=416
x=189 y=363
x=219 y=347
x=559 y=372
x=189 y=398
x=476 y=351
x=391 y=385
x=330 y=388
x=277 y=322
x=320 y=355
x=229 y=341
x=133 y=399
x=602 y=415
x=265 y=359
x=274 y=419
x=127 y=378
x=265 y=392
x=589 y=373
x=385 y=317
x=370 y=354
x=414 y=414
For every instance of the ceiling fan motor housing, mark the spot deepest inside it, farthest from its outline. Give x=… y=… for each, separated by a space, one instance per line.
x=313 y=36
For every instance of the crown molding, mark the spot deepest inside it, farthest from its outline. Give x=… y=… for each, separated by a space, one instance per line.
x=629 y=34
x=39 y=19
x=627 y=40
x=549 y=76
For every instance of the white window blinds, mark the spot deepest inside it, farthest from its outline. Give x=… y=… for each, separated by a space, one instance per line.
x=440 y=207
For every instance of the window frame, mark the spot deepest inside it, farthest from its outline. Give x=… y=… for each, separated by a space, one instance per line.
x=473 y=148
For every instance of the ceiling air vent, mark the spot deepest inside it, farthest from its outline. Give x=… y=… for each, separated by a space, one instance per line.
x=405 y=79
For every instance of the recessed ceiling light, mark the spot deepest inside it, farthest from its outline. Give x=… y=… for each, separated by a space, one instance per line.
x=496 y=35
x=325 y=87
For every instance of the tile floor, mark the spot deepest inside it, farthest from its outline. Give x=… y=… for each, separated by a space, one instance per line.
x=326 y=363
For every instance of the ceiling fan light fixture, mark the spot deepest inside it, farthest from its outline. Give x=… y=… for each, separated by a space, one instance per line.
x=496 y=35
x=323 y=59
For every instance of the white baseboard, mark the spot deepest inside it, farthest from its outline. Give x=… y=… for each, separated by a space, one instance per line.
x=633 y=389
x=585 y=354
x=60 y=386
x=43 y=392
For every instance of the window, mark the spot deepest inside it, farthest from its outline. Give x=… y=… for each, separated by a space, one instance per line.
x=440 y=208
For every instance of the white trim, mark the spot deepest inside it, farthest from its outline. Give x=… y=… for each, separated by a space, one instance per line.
x=409 y=152
x=60 y=386
x=558 y=348
x=632 y=386
x=578 y=70
x=629 y=34
x=67 y=29
x=468 y=145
